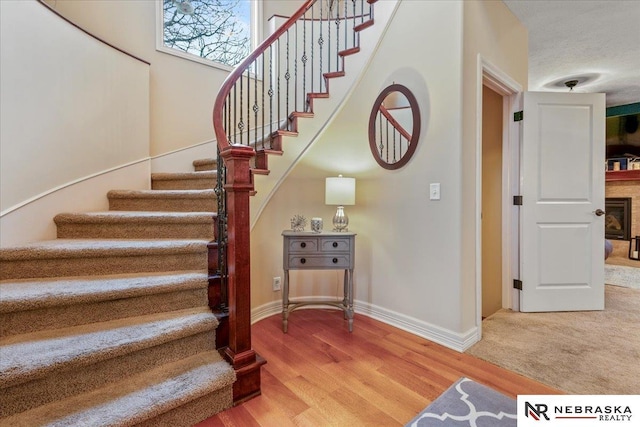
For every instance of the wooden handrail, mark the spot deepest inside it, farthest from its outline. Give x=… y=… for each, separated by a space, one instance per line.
x=237 y=73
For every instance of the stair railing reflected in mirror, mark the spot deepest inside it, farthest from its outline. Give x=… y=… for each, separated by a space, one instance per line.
x=394 y=127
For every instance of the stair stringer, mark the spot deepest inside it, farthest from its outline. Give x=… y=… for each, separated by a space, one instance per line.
x=325 y=110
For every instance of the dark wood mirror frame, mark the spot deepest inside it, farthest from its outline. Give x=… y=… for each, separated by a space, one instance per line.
x=411 y=138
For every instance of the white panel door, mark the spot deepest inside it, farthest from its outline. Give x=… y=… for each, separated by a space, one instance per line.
x=562 y=235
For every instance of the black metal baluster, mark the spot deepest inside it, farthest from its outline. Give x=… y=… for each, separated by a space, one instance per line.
x=271 y=96
x=312 y=46
x=295 y=71
x=241 y=122
x=337 y=38
x=235 y=111
x=353 y=3
x=380 y=133
x=279 y=64
x=248 y=125
x=287 y=77
x=329 y=12
x=304 y=63
x=320 y=43
x=394 y=131
x=262 y=127
x=386 y=122
x=256 y=108
x=346 y=26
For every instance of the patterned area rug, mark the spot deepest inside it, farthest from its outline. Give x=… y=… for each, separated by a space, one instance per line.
x=621 y=275
x=468 y=403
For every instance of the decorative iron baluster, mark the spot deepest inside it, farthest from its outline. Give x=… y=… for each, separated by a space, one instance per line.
x=263 y=105
x=295 y=71
x=256 y=107
x=304 y=62
x=287 y=77
x=353 y=2
x=221 y=234
x=337 y=37
x=320 y=43
x=312 y=46
x=270 y=96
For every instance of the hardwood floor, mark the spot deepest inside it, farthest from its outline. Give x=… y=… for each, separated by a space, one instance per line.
x=321 y=375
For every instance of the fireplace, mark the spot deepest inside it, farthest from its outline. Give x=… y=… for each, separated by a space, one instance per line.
x=617 y=223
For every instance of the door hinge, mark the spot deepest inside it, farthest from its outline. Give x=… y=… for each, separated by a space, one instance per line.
x=517 y=200
x=517 y=284
x=518 y=116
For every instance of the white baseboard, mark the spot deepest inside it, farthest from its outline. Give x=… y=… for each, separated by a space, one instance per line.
x=450 y=339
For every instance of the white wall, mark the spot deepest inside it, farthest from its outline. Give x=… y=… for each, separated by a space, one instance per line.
x=182 y=92
x=71 y=108
x=494 y=33
x=407 y=252
x=411 y=269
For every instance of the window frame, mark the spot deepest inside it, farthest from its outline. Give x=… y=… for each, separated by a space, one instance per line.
x=256 y=32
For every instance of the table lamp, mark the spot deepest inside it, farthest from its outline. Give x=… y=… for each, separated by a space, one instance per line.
x=340 y=191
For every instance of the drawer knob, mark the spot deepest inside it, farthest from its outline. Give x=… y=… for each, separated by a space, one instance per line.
x=303 y=244
x=303 y=260
x=335 y=244
x=335 y=260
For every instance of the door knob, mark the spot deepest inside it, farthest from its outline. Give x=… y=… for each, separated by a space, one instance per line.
x=599 y=212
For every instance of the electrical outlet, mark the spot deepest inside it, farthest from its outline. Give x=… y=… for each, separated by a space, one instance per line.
x=277 y=281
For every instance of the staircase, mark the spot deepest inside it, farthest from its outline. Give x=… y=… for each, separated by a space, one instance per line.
x=112 y=323
x=109 y=324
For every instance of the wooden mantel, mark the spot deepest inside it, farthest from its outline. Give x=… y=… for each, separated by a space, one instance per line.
x=632 y=175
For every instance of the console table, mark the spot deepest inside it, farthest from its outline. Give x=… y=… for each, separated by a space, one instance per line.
x=306 y=250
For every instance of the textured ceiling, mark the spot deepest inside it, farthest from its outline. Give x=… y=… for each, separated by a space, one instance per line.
x=594 y=42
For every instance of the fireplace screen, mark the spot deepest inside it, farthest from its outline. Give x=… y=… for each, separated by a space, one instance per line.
x=617 y=224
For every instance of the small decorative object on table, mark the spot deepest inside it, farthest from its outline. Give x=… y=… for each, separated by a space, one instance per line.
x=634 y=248
x=298 y=223
x=316 y=225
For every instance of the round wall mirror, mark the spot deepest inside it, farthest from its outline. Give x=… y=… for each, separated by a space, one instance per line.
x=394 y=127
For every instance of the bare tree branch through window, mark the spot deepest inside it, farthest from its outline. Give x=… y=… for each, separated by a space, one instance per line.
x=218 y=30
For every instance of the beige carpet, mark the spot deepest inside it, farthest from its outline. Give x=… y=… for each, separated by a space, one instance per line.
x=593 y=352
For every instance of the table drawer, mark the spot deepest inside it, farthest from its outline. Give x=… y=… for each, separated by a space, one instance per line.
x=329 y=261
x=334 y=244
x=302 y=244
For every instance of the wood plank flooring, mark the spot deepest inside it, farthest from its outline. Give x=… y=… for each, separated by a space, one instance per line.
x=318 y=374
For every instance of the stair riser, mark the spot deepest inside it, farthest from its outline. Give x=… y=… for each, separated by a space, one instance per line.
x=82 y=379
x=100 y=265
x=183 y=184
x=136 y=231
x=80 y=314
x=164 y=205
x=194 y=411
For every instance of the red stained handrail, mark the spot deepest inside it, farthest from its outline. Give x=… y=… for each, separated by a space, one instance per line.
x=236 y=74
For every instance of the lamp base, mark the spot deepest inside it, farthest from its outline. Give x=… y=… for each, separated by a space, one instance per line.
x=340 y=220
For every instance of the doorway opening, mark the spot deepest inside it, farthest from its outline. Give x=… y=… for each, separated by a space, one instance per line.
x=492 y=130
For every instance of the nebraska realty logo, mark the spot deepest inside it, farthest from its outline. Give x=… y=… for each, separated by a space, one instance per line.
x=578 y=410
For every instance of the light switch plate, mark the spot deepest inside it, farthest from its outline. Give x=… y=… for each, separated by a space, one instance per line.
x=434 y=191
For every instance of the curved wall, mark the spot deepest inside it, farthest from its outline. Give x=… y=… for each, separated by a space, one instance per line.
x=72 y=108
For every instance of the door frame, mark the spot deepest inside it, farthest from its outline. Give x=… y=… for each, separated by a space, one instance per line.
x=497 y=80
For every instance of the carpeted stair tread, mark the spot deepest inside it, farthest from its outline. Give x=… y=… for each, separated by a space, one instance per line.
x=32 y=294
x=161 y=194
x=140 y=398
x=203 y=200
x=201 y=180
x=81 y=248
x=83 y=345
x=169 y=176
x=205 y=164
x=135 y=216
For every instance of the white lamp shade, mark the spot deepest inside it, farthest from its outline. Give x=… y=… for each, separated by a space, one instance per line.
x=340 y=191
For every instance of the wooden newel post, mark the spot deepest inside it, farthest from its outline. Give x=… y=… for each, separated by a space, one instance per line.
x=239 y=353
